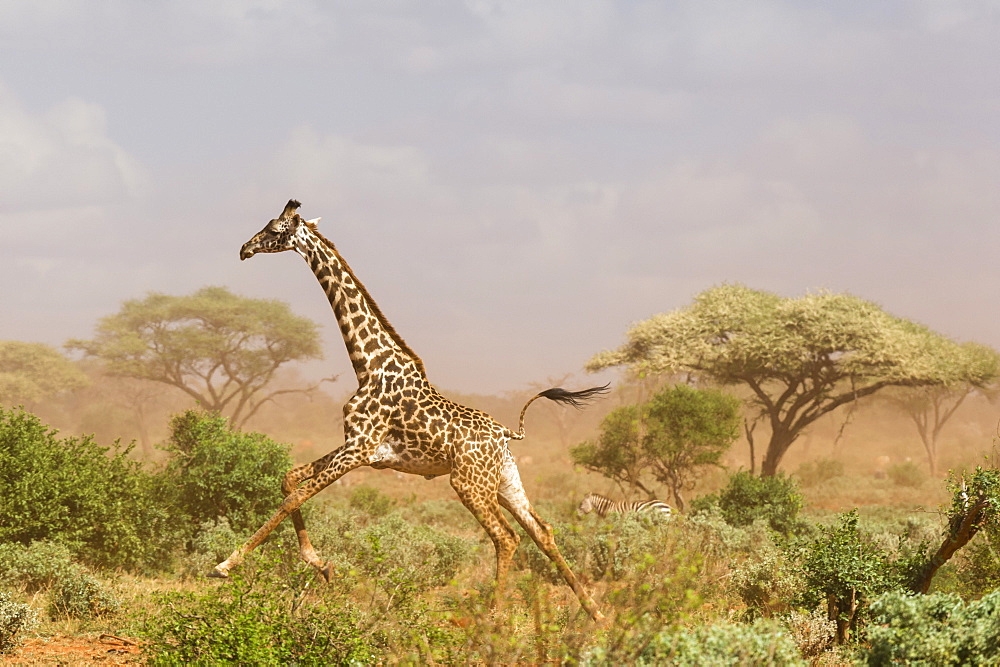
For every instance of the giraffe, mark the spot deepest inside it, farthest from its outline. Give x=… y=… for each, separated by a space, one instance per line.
x=397 y=419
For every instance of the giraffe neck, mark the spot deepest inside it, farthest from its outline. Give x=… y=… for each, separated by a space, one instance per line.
x=372 y=343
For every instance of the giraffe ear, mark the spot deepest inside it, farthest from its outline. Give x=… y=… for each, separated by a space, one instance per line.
x=313 y=222
x=290 y=208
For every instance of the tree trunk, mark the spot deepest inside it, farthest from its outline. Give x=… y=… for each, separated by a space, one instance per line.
x=963 y=528
x=781 y=440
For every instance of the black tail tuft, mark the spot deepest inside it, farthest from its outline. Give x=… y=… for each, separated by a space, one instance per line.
x=575 y=398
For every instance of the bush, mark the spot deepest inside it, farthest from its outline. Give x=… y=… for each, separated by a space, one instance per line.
x=405 y=557
x=607 y=549
x=95 y=500
x=213 y=542
x=844 y=571
x=260 y=616
x=15 y=619
x=215 y=472
x=935 y=629
x=747 y=498
x=36 y=566
x=908 y=474
x=370 y=500
x=978 y=568
x=767 y=583
x=814 y=473
x=80 y=595
x=760 y=643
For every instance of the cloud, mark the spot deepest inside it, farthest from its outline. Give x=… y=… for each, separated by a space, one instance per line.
x=61 y=159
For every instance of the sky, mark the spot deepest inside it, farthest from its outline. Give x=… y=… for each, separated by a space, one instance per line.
x=515 y=182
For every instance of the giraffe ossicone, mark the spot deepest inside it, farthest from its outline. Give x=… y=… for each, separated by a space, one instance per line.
x=397 y=419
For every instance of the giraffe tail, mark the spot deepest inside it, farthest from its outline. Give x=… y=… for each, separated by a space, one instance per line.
x=577 y=399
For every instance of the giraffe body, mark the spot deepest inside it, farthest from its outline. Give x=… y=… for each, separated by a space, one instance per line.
x=398 y=420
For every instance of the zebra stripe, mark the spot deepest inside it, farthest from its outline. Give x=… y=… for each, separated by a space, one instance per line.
x=595 y=502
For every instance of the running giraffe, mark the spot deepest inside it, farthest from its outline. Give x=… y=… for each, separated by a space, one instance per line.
x=397 y=419
x=595 y=502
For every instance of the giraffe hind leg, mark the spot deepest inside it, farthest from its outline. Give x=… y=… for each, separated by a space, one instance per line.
x=505 y=538
x=515 y=501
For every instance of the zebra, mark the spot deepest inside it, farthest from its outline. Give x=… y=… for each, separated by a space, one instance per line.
x=595 y=502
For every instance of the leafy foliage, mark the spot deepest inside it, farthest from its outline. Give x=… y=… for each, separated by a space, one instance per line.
x=935 y=629
x=759 y=643
x=78 y=594
x=747 y=498
x=35 y=566
x=617 y=453
x=975 y=507
x=94 y=499
x=30 y=372
x=845 y=572
x=800 y=358
x=16 y=618
x=215 y=472
x=221 y=349
x=672 y=439
x=258 y=617
x=819 y=471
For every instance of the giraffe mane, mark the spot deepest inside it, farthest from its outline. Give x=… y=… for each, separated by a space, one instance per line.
x=371 y=302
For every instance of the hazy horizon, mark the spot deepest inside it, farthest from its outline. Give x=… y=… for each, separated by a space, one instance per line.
x=515 y=182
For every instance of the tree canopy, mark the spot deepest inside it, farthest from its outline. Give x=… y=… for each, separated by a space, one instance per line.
x=31 y=372
x=672 y=439
x=221 y=349
x=801 y=358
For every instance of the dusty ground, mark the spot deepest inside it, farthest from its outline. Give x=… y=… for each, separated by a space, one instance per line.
x=77 y=650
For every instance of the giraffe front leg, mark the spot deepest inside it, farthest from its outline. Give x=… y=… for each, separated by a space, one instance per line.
x=337 y=464
x=288 y=485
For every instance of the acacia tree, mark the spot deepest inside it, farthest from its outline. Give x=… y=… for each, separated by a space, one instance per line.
x=801 y=358
x=221 y=349
x=672 y=439
x=31 y=372
x=617 y=453
x=930 y=408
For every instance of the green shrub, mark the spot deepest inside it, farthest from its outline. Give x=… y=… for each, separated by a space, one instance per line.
x=35 y=566
x=407 y=557
x=908 y=474
x=96 y=500
x=80 y=595
x=935 y=629
x=264 y=614
x=748 y=498
x=844 y=571
x=978 y=567
x=760 y=643
x=15 y=619
x=213 y=542
x=767 y=582
x=814 y=473
x=598 y=548
x=215 y=472
x=370 y=500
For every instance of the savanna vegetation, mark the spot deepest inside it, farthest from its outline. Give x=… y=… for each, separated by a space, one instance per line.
x=119 y=492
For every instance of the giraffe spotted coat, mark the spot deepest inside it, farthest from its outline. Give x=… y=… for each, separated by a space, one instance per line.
x=397 y=419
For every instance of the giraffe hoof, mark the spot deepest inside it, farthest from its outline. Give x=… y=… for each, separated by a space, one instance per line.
x=326 y=572
x=217 y=574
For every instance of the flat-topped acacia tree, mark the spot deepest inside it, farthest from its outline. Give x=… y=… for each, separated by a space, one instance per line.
x=219 y=348
x=801 y=358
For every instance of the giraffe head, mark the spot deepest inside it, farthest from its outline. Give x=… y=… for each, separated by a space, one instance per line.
x=279 y=234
